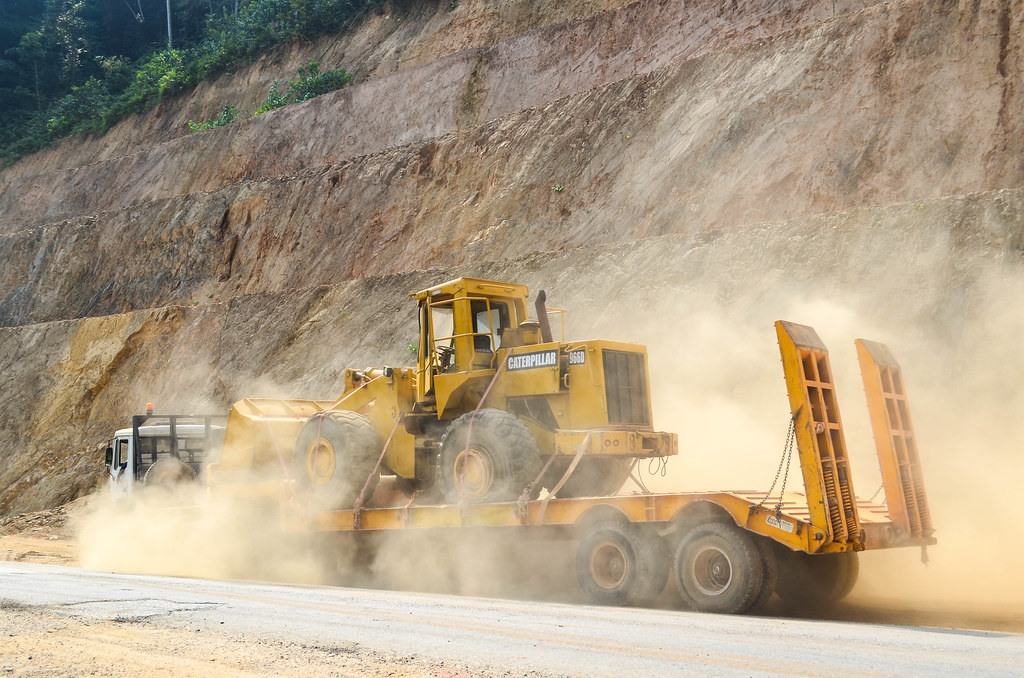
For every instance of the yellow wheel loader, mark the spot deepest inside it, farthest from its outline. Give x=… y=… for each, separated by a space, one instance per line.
x=495 y=409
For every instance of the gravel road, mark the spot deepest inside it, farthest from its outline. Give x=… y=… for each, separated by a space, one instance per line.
x=68 y=621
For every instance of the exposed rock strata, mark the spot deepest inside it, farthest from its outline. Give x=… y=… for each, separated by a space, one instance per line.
x=733 y=137
x=419 y=103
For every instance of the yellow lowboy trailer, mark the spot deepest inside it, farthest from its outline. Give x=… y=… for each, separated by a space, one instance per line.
x=729 y=551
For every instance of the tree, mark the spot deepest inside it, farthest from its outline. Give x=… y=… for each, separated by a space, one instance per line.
x=30 y=51
x=170 y=44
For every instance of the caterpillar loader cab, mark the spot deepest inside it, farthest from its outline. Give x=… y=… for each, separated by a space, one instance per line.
x=495 y=409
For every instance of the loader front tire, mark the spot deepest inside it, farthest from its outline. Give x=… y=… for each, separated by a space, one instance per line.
x=719 y=568
x=619 y=563
x=491 y=456
x=335 y=454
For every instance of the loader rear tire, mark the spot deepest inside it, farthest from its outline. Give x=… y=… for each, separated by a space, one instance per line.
x=618 y=563
x=593 y=477
x=719 y=569
x=335 y=454
x=491 y=459
x=811 y=583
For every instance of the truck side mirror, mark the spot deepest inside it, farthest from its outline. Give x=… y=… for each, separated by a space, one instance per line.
x=110 y=457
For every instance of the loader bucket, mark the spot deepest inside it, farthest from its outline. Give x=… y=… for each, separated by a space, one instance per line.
x=261 y=432
x=894 y=439
x=819 y=435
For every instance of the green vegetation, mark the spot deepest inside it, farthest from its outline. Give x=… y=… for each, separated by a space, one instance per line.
x=227 y=114
x=69 y=66
x=311 y=83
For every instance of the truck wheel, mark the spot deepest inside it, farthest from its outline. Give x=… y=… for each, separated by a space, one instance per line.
x=167 y=473
x=719 y=569
x=593 y=477
x=811 y=583
x=334 y=455
x=495 y=465
x=620 y=564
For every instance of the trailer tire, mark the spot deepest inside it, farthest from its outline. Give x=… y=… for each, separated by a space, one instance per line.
x=657 y=562
x=593 y=477
x=718 y=568
x=499 y=461
x=810 y=583
x=849 y=576
x=335 y=453
x=618 y=563
x=770 y=572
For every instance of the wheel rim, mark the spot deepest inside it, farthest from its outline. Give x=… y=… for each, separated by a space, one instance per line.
x=474 y=473
x=608 y=565
x=321 y=461
x=712 y=571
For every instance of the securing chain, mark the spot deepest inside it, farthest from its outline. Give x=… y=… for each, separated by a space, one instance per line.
x=357 y=509
x=787 y=456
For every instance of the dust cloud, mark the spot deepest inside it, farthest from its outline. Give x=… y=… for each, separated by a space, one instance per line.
x=189 y=531
x=953 y=319
x=186 y=531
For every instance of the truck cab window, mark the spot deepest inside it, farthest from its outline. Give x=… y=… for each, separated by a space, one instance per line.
x=121 y=452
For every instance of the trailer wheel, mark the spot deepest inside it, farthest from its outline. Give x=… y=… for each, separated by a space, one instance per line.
x=770 y=572
x=492 y=459
x=620 y=564
x=593 y=477
x=813 y=582
x=849 y=577
x=656 y=558
x=719 y=569
x=334 y=455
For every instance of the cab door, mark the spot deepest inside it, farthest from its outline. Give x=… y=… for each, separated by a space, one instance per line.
x=122 y=469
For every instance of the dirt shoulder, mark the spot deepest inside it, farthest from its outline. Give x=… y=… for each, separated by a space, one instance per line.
x=37 y=641
x=42 y=536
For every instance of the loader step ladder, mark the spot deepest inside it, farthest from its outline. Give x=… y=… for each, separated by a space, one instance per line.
x=819 y=435
x=895 y=443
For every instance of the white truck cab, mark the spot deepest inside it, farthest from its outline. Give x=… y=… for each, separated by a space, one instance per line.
x=162 y=450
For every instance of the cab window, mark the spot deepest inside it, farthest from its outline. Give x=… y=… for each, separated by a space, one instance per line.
x=443 y=325
x=488 y=321
x=121 y=452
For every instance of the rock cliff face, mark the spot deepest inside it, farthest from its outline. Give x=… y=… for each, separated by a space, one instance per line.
x=679 y=174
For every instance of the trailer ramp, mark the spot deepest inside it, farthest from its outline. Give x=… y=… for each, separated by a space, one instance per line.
x=895 y=442
x=819 y=436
